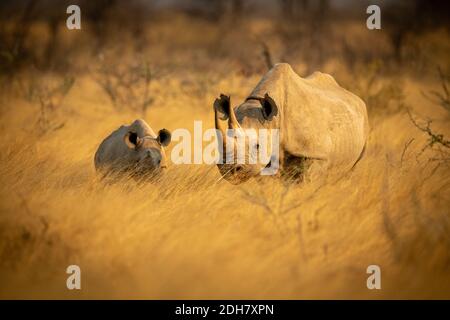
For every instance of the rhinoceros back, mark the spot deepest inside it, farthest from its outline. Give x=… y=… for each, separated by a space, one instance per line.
x=318 y=118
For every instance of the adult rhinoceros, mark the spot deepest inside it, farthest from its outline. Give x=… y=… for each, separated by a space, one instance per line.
x=135 y=149
x=318 y=122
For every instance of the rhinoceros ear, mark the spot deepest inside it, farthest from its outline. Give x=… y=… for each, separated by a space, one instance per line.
x=222 y=106
x=132 y=140
x=164 y=137
x=269 y=107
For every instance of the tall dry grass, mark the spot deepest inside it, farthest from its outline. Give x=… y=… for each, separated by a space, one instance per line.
x=192 y=235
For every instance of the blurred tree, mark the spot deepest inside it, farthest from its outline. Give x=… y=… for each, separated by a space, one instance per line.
x=402 y=18
x=96 y=12
x=12 y=48
x=303 y=26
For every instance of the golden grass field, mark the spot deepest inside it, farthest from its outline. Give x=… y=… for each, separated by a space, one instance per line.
x=191 y=235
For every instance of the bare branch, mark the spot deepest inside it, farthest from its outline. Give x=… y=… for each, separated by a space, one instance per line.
x=433 y=138
x=404 y=150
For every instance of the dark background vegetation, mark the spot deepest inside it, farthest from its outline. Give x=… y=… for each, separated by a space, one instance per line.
x=308 y=30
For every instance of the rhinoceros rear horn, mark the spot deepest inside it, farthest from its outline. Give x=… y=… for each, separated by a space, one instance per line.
x=269 y=107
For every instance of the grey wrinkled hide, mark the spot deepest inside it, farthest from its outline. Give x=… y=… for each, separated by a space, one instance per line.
x=115 y=155
x=317 y=119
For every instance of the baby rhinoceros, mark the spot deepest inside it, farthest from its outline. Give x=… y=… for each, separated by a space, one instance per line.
x=133 y=149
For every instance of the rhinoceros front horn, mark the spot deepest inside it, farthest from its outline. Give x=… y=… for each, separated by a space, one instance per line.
x=221 y=112
x=224 y=111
